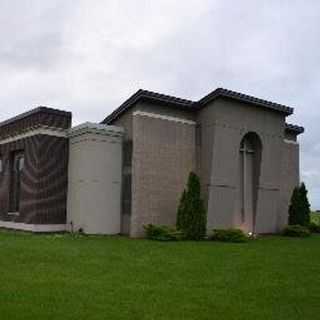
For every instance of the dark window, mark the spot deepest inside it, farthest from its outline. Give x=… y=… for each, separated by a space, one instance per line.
x=126 y=194
x=126 y=182
x=17 y=166
x=127 y=153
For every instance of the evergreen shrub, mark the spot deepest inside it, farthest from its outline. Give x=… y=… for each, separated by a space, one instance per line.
x=191 y=215
x=162 y=233
x=296 y=231
x=299 y=209
x=229 y=235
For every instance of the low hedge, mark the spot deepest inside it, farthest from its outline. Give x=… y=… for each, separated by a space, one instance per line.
x=162 y=233
x=296 y=231
x=229 y=235
x=314 y=228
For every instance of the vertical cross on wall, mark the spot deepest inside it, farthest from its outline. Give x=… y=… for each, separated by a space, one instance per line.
x=245 y=150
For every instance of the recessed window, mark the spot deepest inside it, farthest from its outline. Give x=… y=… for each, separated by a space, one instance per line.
x=249 y=175
x=21 y=163
x=16 y=175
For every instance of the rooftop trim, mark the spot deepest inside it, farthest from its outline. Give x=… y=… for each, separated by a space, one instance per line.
x=34 y=131
x=145 y=95
x=294 y=128
x=90 y=127
x=32 y=112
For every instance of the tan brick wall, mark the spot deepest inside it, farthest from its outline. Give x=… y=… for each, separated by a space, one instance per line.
x=163 y=156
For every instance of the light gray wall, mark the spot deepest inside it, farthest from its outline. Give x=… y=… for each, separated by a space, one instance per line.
x=95 y=175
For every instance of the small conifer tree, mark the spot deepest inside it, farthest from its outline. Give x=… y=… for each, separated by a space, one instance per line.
x=191 y=215
x=180 y=213
x=305 y=205
x=299 y=209
x=295 y=207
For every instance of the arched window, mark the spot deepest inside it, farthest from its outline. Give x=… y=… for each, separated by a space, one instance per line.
x=248 y=183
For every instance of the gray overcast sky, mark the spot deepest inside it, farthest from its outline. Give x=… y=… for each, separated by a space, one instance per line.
x=87 y=56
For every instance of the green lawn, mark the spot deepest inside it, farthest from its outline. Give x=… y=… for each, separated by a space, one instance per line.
x=61 y=277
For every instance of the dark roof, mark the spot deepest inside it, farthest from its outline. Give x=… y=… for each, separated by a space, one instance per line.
x=294 y=128
x=144 y=95
x=220 y=92
x=32 y=112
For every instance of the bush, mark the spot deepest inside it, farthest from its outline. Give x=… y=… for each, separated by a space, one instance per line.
x=315 y=217
x=162 y=233
x=229 y=235
x=191 y=215
x=181 y=219
x=305 y=204
x=314 y=228
x=296 y=231
x=299 y=209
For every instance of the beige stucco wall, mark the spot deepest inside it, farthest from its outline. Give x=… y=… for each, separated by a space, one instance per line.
x=289 y=179
x=95 y=175
x=224 y=123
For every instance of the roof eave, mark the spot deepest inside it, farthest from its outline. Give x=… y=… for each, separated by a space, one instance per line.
x=143 y=95
x=224 y=93
x=35 y=111
x=292 y=128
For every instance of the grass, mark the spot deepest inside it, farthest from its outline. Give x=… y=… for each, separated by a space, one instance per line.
x=65 y=277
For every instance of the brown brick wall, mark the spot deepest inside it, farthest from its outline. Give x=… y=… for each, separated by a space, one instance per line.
x=44 y=177
x=40 y=116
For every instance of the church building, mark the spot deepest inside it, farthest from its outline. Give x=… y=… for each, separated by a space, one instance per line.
x=130 y=169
